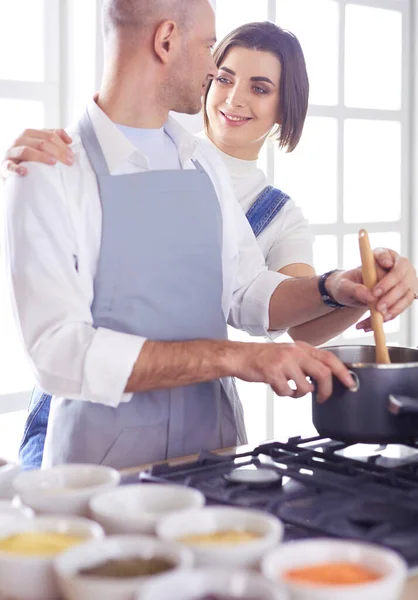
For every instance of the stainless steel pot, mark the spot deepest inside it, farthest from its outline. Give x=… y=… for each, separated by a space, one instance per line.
x=383 y=409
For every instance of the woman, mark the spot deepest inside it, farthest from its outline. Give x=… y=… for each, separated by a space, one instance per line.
x=261 y=90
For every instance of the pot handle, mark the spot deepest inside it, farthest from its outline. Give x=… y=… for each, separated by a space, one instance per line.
x=402 y=405
x=356 y=381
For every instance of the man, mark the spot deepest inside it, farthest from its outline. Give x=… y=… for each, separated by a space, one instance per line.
x=126 y=267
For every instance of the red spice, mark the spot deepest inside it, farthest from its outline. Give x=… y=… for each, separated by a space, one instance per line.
x=338 y=573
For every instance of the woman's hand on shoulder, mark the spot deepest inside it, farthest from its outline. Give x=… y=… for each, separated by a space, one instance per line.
x=47 y=146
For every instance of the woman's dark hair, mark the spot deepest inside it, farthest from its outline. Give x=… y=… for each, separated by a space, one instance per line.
x=294 y=83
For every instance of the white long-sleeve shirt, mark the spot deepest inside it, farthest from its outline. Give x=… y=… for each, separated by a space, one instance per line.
x=53 y=217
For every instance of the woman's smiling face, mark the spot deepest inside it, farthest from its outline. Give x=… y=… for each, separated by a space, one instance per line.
x=243 y=101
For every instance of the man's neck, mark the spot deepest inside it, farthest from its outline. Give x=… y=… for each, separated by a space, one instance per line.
x=128 y=106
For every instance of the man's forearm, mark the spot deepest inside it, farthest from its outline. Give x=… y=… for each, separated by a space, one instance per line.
x=322 y=329
x=296 y=301
x=173 y=364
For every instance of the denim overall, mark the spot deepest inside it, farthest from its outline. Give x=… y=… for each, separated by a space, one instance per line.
x=161 y=279
x=260 y=215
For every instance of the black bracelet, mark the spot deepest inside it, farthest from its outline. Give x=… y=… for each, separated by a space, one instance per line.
x=325 y=296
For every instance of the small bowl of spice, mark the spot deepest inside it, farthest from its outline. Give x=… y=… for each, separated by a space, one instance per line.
x=213 y=584
x=117 y=567
x=28 y=548
x=223 y=536
x=327 y=569
x=64 y=489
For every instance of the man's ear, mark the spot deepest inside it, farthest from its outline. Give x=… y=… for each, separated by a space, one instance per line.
x=165 y=40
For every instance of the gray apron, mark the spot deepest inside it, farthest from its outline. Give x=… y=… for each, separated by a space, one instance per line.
x=159 y=276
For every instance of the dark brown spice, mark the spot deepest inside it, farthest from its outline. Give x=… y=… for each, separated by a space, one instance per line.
x=217 y=597
x=129 y=567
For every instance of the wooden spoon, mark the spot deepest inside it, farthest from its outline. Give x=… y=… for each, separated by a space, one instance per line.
x=368 y=267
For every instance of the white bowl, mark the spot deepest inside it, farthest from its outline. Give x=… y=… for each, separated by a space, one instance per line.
x=65 y=489
x=310 y=552
x=210 y=520
x=32 y=577
x=8 y=472
x=137 y=508
x=76 y=587
x=191 y=585
x=12 y=510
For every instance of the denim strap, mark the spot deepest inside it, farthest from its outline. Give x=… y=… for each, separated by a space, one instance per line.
x=268 y=204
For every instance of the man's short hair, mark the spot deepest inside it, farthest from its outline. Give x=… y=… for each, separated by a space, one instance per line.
x=139 y=15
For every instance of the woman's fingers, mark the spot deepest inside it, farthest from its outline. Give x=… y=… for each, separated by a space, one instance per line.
x=44 y=146
x=385 y=257
x=397 y=274
x=32 y=151
x=64 y=136
x=387 y=303
x=364 y=325
x=9 y=166
x=395 y=310
x=400 y=306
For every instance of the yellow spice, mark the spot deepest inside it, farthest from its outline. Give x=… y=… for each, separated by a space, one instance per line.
x=39 y=543
x=220 y=537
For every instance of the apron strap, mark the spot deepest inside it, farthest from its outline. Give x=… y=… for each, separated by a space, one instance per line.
x=198 y=166
x=268 y=204
x=92 y=146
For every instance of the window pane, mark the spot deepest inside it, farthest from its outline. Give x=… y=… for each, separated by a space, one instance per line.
x=15 y=115
x=22 y=40
x=233 y=13
x=319 y=42
x=309 y=173
x=373 y=58
x=325 y=253
x=372 y=177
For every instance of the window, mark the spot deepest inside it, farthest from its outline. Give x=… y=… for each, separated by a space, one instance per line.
x=353 y=153
x=43 y=85
x=29 y=97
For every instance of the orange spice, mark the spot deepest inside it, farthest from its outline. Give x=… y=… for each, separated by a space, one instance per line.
x=338 y=573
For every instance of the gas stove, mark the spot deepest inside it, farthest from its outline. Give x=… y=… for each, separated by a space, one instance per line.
x=317 y=487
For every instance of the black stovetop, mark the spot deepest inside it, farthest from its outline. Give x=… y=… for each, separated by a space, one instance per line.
x=321 y=487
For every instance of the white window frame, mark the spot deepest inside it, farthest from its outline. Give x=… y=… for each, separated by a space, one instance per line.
x=341 y=113
x=48 y=92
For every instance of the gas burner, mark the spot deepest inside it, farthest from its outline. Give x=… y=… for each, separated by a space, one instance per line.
x=254 y=477
x=317 y=487
x=390 y=456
